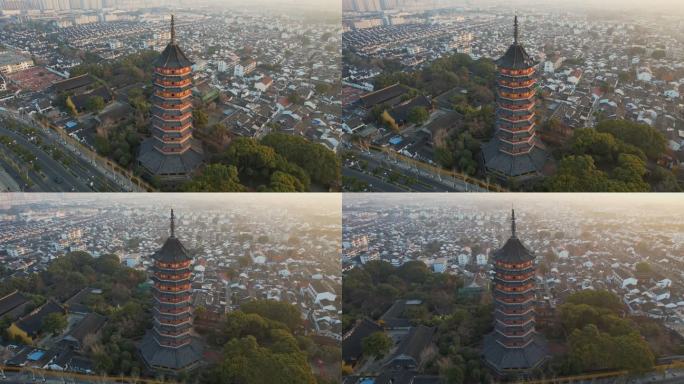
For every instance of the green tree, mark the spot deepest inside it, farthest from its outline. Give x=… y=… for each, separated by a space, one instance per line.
x=54 y=323
x=283 y=312
x=418 y=115
x=95 y=104
x=200 y=118
x=71 y=107
x=376 y=345
x=216 y=178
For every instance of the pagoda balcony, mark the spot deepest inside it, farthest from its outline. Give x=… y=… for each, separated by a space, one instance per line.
x=513 y=266
x=173 y=71
x=518 y=140
x=170 y=282
x=527 y=117
x=174 y=311
x=178 y=128
x=173 y=289
x=173 y=299
x=524 y=312
x=517 y=151
x=173 y=83
x=506 y=299
x=172 y=150
x=174 y=142
x=516 y=72
x=173 y=332
x=180 y=317
x=516 y=128
x=161 y=293
x=175 y=113
x=173 y=322
x=516 y=95
x=514 y=279
x=514 y=320
x=507 y=271
x=517 y=90
x=181 y=265
x=173 y=118
x=172 y=329
x=516 y=334
x=516 y=83
x=171 y=77
x=515 y=290
x=173 y=95
x=513 y=328
x=514 y=343
x=172 y=276
x=508 y=135
x=173 y=89
x=517 y=108
x=174 y=344
x=171 y=270
x=172 y=107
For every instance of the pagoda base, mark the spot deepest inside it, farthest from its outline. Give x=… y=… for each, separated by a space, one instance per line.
x=171 y=168
x=168 y=360
x=515 y=362
x=519 y=167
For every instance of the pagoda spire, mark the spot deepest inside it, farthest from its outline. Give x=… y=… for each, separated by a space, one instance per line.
x=516 y=30
x=173 y=31
x=513 y=222
x=173 y=224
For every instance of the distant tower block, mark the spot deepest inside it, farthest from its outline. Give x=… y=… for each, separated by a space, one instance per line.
x=514 y=348
x=515 y=152
x=171 y=154
x=171 y=347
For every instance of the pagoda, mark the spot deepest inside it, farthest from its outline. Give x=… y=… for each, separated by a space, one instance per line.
x=170 y=346
x=171 y=153
x=515 y=152
x=514 y=348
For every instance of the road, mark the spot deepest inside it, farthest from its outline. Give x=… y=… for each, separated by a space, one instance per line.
x=81 y=175
x=423 y=179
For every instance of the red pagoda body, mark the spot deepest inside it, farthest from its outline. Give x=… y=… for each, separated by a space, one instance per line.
x=516 y=152
x=514 y=348
x=171 y=345
x=171 y=154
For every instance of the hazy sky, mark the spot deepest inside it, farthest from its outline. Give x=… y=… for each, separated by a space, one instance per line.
x=318 y=5
x=615 y=5
x=306 y=203
x=658 y=203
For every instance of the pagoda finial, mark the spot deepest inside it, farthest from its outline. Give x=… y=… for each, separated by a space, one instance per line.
x=512 y=222
x=173 y=31
x=515 y=29
x=173 y=224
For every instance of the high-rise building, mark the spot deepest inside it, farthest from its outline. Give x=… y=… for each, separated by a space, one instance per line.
x=514 y=348
x=171 y=347
x=171 y=154
x=515 y=152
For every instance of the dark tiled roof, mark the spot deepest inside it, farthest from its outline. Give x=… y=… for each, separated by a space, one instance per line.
x=527 y=165
x=11 y=301
x=32 y=323
x=516 y=58
x=90 y=324
x=513 y=359
x=352 y=345
x=383 y=95
x=513 y=251
x=418 y=339
x=156 y=356
x=172 y=251
x=158 y=164
x=172 y=57
x=400 y=112
x=395 y=316
x=73 y=83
